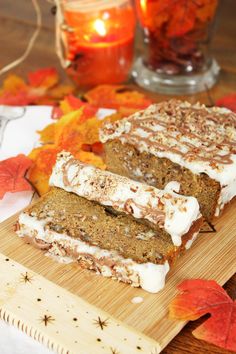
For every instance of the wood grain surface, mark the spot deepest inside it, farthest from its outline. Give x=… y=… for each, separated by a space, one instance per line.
x=212 y=256
x=17 y=24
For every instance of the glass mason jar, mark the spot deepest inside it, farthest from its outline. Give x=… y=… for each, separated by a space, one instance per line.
x=177 y=37
x=98 y=39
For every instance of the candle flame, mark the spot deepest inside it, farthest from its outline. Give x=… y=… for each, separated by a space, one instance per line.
x=100 y=27
x=143 y=4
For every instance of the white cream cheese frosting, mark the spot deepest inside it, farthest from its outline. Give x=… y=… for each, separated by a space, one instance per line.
x=165 y=208
x=150 y=276
x=195 y=137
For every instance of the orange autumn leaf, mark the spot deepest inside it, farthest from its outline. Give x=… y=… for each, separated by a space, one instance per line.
x=15 y=92
x=58 y=92
x=47 y=135
x=89 y=130
x=71 y=103
x=70 y=133
x=71 y=130
x=42 y=88
x=67 y=125
x=108 y=96
x=12 y=175
x=13 y=83
x=90 y=158
x=40 y=180
x=43 y=159
x=199 y=297
x=46 y=78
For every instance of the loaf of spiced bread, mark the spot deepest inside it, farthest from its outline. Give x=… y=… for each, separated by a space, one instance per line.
x=108 y=223
x=176 y=141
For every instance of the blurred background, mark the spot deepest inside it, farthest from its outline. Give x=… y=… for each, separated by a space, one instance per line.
x=18 y=23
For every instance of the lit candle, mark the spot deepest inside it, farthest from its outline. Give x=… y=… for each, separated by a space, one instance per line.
x=100 y=41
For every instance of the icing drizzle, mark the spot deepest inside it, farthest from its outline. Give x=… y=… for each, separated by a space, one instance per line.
x=196 y=133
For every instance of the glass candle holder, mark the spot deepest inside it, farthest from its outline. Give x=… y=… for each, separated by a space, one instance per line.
x=177 y=38
x=98 y=38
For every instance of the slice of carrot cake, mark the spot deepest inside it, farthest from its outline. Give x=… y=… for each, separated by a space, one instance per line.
x=159 y=209
x=72 y=228
x=176 y=141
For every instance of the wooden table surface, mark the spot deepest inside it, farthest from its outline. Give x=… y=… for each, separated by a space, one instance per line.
x=17 y=24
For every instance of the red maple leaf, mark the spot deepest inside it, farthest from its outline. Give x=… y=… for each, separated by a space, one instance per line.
x=228 y=101
x=12 y=174
x=199 y=297
x=46 y=77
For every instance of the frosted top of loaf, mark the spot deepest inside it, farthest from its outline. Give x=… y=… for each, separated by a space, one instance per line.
x=199 y=138
x=168 y=210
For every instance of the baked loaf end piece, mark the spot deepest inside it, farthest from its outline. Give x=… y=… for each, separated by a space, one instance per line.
x=176 y=141
x=159 y=209
x=72 y=228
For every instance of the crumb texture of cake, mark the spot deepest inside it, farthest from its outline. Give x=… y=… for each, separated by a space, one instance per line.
x=70 y=227
x=171 y=139
x=161 y=208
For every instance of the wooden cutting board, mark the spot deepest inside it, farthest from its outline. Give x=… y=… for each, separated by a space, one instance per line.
x=76 y=311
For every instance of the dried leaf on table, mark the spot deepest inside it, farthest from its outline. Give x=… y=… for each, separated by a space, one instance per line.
x=117 y=97
x=12 y=175
x=199 y=297
x=77 y=130
x=71 y=103
x=47 y=135
x=71 y=133
x=42 y=88
x=43 y=159
x=228 y=101
x=66 y=130
x=90 y=158
x=58 y=92
x=15 y=92
x=45 y=78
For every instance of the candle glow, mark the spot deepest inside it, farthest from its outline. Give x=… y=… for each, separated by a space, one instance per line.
x=143 y=4
x=100 y=27
x=100 y=49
